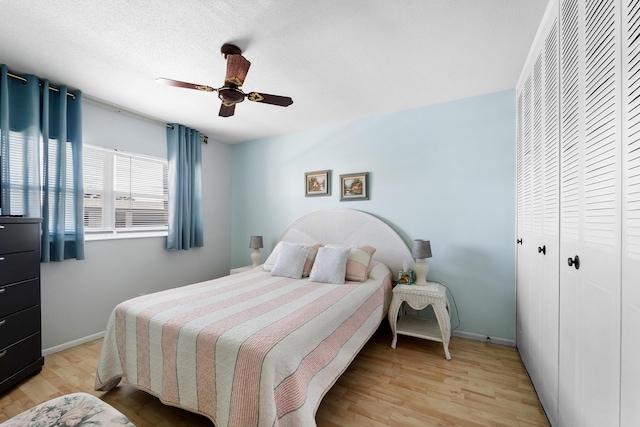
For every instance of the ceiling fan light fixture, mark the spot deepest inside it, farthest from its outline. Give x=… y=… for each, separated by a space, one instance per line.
x=230 y=95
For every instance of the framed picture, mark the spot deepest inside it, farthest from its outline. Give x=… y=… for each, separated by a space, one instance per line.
x=354 y=186
x=317 y=183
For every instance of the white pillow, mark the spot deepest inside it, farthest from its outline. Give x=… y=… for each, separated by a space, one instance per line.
x=290 y=262
x=330 y=265
x=273 y=257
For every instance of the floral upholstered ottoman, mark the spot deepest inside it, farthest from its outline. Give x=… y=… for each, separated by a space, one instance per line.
x=71 y=410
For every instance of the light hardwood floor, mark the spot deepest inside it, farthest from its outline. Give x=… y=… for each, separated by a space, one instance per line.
x=413 y=385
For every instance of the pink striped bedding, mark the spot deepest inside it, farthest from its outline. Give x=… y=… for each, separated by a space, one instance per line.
x=249 y=349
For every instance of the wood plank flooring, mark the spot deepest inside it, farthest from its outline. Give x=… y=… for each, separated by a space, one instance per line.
x=413 y=385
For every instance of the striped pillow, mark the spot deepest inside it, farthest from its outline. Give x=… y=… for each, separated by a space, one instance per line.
x=358 y=262
x=311 y=256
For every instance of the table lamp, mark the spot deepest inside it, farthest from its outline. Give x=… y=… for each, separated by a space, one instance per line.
x=421 y=250
x=255 y=243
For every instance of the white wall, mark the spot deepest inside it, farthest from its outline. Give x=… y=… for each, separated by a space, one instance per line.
x=78 y=296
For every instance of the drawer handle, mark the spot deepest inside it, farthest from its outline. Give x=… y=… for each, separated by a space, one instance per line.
x=1 y=258
x=2 y=290
x=1 y=227
x=3 y=321
x=3 y=353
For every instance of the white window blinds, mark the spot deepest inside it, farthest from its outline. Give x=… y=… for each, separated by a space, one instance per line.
x=124 y=192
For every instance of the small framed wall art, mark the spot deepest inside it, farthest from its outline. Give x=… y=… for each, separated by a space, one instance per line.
x=354 y=186
x=317 y=183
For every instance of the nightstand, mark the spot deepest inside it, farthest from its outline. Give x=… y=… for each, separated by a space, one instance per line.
x=241 y=269
x=418 y=298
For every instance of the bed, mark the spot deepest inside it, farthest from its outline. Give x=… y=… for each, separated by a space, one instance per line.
x=258 y=348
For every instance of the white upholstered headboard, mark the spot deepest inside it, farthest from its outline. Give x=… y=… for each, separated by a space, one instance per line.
x=351 y=227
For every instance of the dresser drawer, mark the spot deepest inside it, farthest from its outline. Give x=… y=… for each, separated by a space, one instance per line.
x=19 y=325
x=19 y=355
x=19 y=237
x=20 y=266
x=14 y=298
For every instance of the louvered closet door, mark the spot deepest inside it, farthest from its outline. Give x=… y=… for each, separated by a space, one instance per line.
x=538 y=262
x=522 y=260
x=630 y=369
x=525 y=279
x=589 y=371
x=549 y=234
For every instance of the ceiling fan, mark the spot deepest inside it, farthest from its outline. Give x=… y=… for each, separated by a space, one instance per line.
x=230 y=94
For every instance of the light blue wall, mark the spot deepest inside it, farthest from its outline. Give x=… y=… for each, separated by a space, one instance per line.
x=442 y=172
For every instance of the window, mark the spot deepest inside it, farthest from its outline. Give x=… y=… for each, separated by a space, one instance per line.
x=124 y=192
x=26 y=178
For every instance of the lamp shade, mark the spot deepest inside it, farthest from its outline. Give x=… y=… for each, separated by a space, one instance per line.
x=255 y=242
x=421 y=249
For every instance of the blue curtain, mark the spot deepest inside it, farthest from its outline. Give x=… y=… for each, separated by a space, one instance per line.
x=184 y=153
x=41 y=161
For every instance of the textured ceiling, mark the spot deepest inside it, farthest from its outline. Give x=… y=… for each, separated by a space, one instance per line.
x=339 y=60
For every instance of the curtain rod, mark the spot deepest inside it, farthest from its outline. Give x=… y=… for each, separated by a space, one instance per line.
x=117 y=109
x=55 y=89
x=203 y=138
x=94 y=101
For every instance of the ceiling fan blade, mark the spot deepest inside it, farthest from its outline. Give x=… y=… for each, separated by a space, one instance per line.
x=227 y=110
x=237 y=69
x=265 y=98
x=177 y=83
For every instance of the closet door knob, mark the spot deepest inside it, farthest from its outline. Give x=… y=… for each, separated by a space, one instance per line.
x=519 y=241
x=542 y=250
x=574 y=262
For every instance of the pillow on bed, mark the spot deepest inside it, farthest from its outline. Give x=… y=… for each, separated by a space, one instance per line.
x=330 y=265
x=290 y=262
x=358 y=262
x=311 y=256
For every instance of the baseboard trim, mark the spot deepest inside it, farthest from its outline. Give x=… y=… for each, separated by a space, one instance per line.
x=57 y=348
x=478 y=337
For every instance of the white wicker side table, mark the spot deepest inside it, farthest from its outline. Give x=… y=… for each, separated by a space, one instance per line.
x=418 y=298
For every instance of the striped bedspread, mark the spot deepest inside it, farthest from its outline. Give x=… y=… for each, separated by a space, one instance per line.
x=249 y=349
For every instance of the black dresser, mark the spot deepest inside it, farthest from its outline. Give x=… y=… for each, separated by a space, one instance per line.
x=20 y=340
